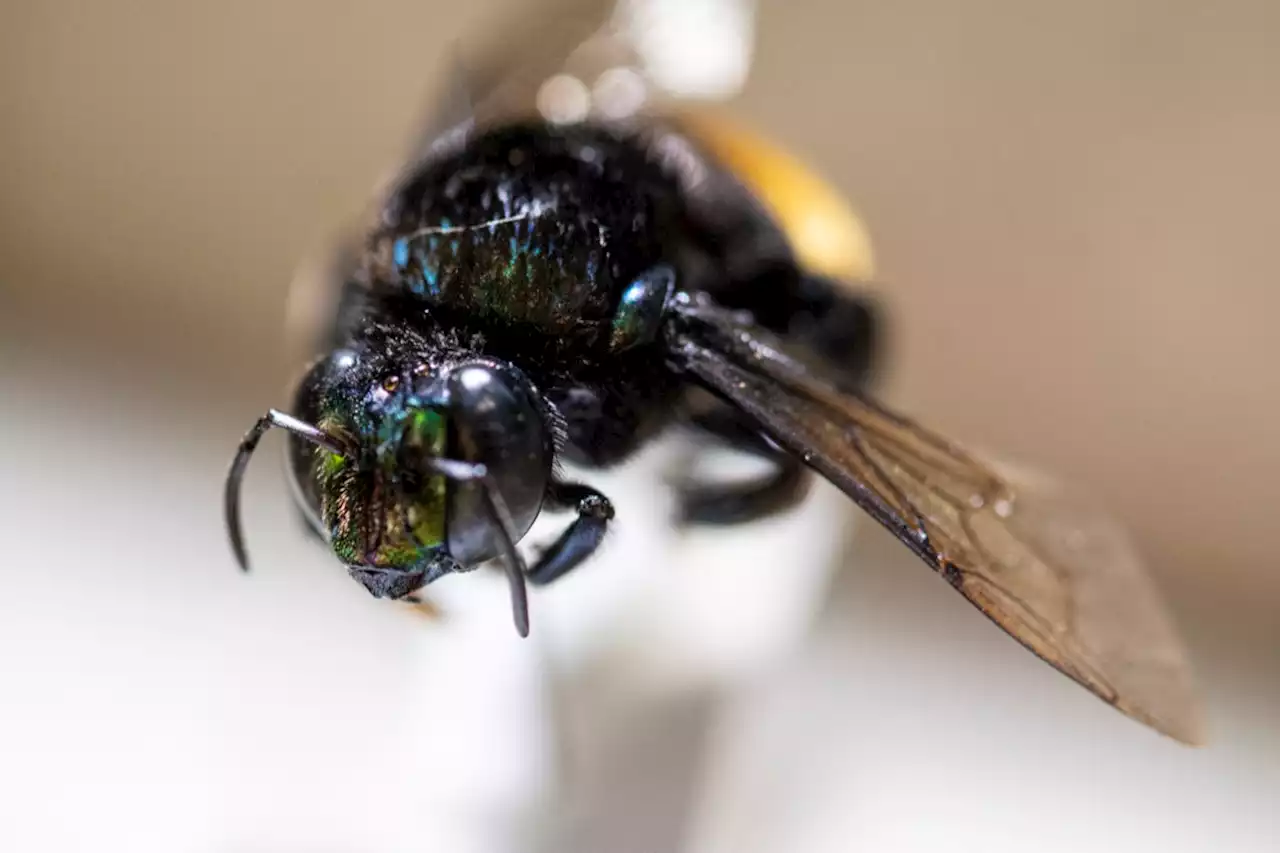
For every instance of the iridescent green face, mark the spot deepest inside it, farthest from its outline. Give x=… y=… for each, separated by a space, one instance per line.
x=399 y=455
x=390 y=511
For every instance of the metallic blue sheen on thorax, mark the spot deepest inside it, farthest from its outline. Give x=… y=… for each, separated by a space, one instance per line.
x=535 y=230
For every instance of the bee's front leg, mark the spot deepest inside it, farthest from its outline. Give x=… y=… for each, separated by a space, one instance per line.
x=581 y=538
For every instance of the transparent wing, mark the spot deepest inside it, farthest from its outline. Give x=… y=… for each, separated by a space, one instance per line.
x=615 y=58
x=1052 y=571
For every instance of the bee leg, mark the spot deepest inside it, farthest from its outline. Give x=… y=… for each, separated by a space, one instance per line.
x=741 y=503
x=581 y=538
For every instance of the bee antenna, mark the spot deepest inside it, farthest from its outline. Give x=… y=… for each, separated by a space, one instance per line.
x=512 y=563
x=500 y=516
x=235 y=476
x=456 y=469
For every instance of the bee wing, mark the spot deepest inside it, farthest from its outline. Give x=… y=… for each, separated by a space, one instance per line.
x=1053 y=572
x=497 y=74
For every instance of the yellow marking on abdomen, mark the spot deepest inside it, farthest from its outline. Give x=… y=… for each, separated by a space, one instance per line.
x=825 y=232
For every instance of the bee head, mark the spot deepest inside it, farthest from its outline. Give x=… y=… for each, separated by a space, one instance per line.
x=413 y=462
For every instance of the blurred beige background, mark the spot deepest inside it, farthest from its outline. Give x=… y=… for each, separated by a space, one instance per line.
x=1074 y=205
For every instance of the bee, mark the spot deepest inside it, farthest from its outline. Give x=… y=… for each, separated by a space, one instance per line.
x=551 y=285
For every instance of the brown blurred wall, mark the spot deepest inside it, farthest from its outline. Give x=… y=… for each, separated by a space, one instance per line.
x=1075 y=206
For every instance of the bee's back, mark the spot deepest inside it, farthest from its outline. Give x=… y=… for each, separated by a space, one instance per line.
x=530 y=231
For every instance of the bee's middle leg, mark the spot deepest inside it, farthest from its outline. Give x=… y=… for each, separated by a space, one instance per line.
x=581 y=538
x=740 y=503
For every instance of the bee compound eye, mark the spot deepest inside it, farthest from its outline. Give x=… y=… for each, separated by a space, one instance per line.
x=496 y=423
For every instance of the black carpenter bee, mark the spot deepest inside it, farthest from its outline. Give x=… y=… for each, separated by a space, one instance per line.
x=533 y=291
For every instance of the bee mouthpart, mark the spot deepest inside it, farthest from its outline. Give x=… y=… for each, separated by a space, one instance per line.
x=385 y=583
